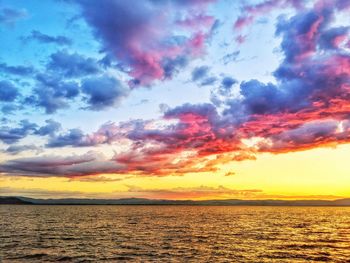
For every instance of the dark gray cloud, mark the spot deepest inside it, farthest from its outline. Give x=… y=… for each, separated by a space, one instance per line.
x=331 y=38
x=227 y=83
x=74 y=137
x=201 y=76
x=99 y=93
x=47 y=39
x=301 y=40
x=103 y=92
x=199 y=73
x=50 y=128
x=16 y=70
x=52 y=94
x=260 y=98
x=8 y=92
x=11 y=135
x=16 y=149
x=107 y=133
x=71 y=65
x=91 y=163
x=220 y=94
x=173 y=66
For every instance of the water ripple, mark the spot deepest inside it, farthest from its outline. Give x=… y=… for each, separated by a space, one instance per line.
x=174 y=233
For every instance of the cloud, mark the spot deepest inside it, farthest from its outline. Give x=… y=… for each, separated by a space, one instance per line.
x=311 y=87
x=72 y=65
x=74 y=137
x=230 y=173
x=51 y=93
x=50 y=128
x=16 y=149
x=47 y=39
x=98 y=179
x=8 y=92
x=8 y=109
x=103 y=92
x=9 y=16
x=199 y=73
x=185 y=193
x=308 y=135
x=40 y=193
x=107 y=133
x=260 y=98
x=10 y=135
x=46 y=99
x=146 y=38
x=201 y=76
x=208 y=81
x=91 y=163
x=306 y=106
x=332 y=38
x=231 y=57
x=251 y=12
x=307 y=27
x=16 y=70
x=226 y=84
x=172 y=66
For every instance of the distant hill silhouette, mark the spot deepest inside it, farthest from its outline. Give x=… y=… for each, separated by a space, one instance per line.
x=4 y=200
x=144 y=201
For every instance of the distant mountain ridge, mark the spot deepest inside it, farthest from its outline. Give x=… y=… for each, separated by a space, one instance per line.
x=11 y=200
x=144 y=201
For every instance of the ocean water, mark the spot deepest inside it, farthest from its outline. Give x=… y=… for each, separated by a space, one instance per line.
x=173 y=234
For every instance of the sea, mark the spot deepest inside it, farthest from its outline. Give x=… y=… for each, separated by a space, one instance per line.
x=142 y=233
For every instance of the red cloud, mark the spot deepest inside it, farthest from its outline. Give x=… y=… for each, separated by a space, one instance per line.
x=307 y=107
x=144 y=37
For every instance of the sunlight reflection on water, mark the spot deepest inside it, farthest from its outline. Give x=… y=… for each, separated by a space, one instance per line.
x=174 y=233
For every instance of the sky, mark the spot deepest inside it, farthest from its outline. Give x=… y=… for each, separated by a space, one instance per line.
x=175 y=99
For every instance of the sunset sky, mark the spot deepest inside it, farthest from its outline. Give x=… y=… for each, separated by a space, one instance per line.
x=175 y=99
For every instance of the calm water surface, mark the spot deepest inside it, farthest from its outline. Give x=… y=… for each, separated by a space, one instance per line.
x=174 y=234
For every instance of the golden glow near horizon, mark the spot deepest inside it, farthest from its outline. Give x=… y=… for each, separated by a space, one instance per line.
x=321 y=173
